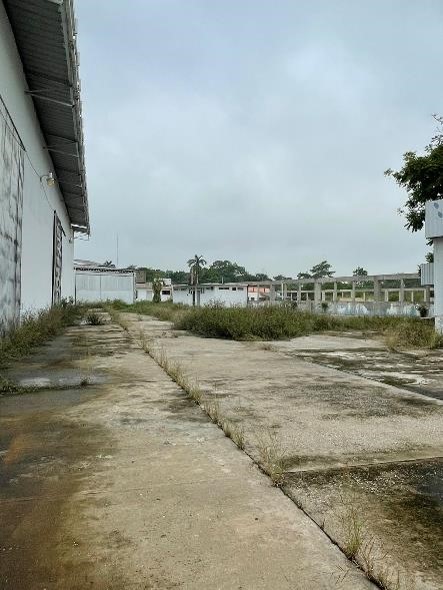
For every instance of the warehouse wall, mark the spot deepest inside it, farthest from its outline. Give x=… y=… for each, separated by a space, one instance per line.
x=39 y=200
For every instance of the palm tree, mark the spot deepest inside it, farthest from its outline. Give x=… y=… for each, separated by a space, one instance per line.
x=195 y=264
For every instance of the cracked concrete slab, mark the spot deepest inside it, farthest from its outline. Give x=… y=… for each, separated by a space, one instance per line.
x=329 y=422
x=125 y=483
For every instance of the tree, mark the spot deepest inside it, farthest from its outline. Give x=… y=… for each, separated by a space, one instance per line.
x=195 y=264
x=177 y=276
x=422 y=177
x=223 y=271
x=303 y=275
x=157 y=289
x=321 y=270
x=359 y=272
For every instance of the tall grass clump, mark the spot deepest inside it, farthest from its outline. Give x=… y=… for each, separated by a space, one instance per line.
x=412 y=333
x=35 y=329
x=273 y=459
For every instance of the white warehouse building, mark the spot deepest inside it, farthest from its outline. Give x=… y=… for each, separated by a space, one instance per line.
x=99 y=283
x=43 y=195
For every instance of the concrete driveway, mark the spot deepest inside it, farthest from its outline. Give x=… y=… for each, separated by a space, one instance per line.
x=112 y=479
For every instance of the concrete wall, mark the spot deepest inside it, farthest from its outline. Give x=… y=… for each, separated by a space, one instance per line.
x=38 y=207
x=144 y=294
x=93 y=286
x=369 y=308
x=228 y=295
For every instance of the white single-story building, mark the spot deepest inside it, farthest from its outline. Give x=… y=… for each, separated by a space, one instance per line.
x=43 y=195
x=228 y=294
x=104 y=283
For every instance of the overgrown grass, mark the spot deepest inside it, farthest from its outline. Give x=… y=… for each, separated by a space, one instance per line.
x=411 y=333
x=166 y=311
x=284 y=322
x=35 y=329
x=281 y=322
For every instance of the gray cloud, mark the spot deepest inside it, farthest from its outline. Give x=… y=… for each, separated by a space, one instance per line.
x=256 y=131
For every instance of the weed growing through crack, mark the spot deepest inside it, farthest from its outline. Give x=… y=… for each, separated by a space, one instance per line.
x=234 y=432
x=211 y=405
x=272 y=457
x=212 y=408
x=354 y=530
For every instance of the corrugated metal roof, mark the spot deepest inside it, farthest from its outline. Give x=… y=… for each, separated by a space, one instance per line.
x=44 y=31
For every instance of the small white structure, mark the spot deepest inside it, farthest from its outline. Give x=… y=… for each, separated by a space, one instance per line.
x=434 y=231
x=104 y=284
x=43 y=196
x=145 y=291
x=228 y=294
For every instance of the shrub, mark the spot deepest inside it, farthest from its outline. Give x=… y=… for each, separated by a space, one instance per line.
x=94 y=319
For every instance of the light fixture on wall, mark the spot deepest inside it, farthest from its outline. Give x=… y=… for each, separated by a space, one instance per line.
x=50 y=180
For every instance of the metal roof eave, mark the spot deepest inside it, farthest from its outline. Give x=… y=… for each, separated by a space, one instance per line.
x=45 y=36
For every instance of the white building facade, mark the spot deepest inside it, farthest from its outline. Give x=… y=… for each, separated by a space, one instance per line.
x=43 y=195
x=228 y=294
x=104 y=284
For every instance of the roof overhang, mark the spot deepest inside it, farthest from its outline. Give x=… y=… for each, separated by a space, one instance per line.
x=45 y=35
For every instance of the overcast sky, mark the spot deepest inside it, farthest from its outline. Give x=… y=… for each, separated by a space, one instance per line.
x=255 y=130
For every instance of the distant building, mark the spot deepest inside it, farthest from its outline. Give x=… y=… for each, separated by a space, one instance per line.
x=228 y=294
x=104 y=283
x=43 y=196
x=258 y=293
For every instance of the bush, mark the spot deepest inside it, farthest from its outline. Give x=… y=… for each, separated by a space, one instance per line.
x=409 y=333
x=94 y=319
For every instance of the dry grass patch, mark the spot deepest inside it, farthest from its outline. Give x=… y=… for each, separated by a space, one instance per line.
x=273 y=458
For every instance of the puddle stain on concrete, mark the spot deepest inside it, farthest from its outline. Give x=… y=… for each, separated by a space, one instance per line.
x=401 y=503
x=44 y=459
x=417 y=373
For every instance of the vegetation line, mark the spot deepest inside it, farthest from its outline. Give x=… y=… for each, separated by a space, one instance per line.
x=211 y=406
x=282 y=322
